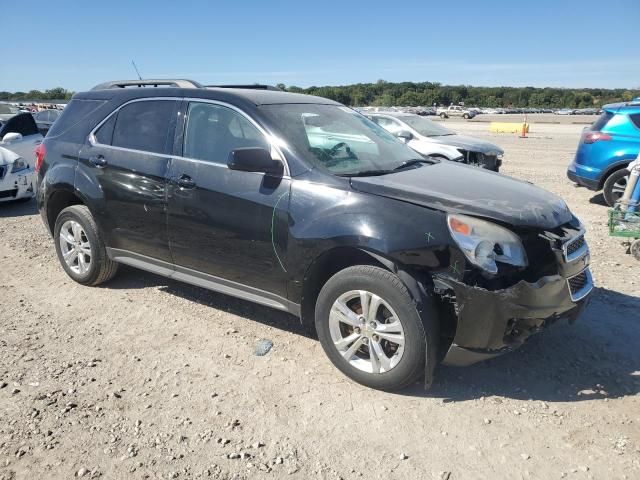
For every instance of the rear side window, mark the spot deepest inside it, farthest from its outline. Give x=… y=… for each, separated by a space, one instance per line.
x=75 y=112
x=144 y=125
x=602 y=121
x=635 y=118
x=104 y=135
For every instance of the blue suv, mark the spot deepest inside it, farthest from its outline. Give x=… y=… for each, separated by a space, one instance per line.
x=606 y=148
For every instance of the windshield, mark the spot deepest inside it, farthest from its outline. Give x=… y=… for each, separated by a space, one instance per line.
x=425 y=126
x=339 y=139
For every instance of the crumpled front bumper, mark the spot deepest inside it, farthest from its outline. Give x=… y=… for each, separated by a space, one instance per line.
x=491 y=323
x=15 y=186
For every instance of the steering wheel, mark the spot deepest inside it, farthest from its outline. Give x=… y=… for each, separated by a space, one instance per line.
x=333 y=150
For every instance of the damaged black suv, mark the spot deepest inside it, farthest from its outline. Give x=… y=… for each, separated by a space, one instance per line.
x=305 y=205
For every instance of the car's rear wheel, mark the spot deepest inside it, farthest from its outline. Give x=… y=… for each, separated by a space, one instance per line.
x=465 y=116
x=370 y=329
x=80 y=249
x=614 y=186
x=443 y=115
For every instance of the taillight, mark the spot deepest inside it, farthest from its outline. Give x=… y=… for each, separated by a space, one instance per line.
x=593 y=137
x=40 y=151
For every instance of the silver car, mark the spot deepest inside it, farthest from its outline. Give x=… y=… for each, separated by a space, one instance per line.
x=422 y=135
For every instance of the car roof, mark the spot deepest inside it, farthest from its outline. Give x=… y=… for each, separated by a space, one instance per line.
x=256 y=95
x=624 y=107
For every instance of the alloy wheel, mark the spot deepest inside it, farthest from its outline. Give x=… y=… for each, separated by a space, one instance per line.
x=366 y=331
x=75 y=247
x=619 y=187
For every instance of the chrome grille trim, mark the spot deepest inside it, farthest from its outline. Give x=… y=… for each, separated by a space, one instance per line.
x=580 y=285
x=575 y=248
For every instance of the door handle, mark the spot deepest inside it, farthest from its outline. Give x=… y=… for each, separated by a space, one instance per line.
x=99 y=161
x=186 y=182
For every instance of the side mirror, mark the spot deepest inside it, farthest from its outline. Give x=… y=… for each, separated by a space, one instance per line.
x=11 y=137
x=254 y=159
x=404 y=135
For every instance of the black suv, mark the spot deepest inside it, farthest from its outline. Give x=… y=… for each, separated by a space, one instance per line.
x=305 y=205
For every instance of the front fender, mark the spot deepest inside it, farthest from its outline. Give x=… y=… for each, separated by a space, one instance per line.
x=322 y=218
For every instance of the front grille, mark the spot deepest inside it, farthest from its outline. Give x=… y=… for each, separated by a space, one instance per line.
x=575 y=248
x=580 y=285
x=3 y=171
x=477 y=159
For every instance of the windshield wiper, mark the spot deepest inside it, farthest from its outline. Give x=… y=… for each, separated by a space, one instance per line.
x=365 y=173
x=414 y=162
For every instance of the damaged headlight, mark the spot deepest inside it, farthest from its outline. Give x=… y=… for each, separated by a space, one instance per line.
x=18 y=165
x=485 y=243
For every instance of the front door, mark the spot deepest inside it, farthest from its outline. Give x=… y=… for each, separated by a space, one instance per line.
x=128 y=158
x=226 y=223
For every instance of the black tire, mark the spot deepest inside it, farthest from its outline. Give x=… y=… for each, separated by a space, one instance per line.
x=610 y=191
x=101 y=267
x=418 y=336
x=443 y=115
x=465 y=116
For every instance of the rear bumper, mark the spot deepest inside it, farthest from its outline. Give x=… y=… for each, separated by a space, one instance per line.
x=590 y=183
x=491 y=323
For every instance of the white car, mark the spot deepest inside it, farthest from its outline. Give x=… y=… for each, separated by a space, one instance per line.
x=19 y=133
x=430 y=138
x=17 y=177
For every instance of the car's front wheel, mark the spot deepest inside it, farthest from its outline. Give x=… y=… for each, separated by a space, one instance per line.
x=80 y=249
x=614 y=186
x=443 y=115
x=370 y=329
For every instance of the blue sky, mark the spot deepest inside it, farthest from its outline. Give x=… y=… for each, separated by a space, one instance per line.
x=559 y=43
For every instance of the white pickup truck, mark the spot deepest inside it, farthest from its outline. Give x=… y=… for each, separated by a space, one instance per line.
x=455 y=111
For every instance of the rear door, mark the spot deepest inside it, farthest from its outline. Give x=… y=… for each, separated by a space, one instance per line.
x=128 y=158
x=225 y=223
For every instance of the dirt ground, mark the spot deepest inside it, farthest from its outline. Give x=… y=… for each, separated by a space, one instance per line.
x=149 y=378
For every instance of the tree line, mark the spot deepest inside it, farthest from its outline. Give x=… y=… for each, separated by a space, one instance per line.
x=410 y=94
x=57 y=93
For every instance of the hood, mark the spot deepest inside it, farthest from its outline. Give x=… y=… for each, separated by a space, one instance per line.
x=458 y=188
x=469 y=143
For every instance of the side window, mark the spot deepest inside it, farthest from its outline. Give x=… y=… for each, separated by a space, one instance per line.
x=387 y=123
x=144 y=125
x=23 y=123
x=213 y=131
x=104 y=135
x=635 y=119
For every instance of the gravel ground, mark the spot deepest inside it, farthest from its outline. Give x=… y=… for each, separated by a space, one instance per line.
x=149 y=378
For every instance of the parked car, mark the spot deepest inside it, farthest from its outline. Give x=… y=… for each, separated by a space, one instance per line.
x=606 y=148
x=45 y=118
x=430 y=138
x=304 y=205
x=7 y=111
x=565 y=111
x=19 y=133
x=456 y=111
x=17 y=177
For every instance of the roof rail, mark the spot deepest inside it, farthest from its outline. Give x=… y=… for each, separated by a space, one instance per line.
x=254 y=86
x=176 y=83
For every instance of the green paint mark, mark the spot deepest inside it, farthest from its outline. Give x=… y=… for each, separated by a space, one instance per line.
x=273 y=229
x=455 y=267
x=429 y=237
